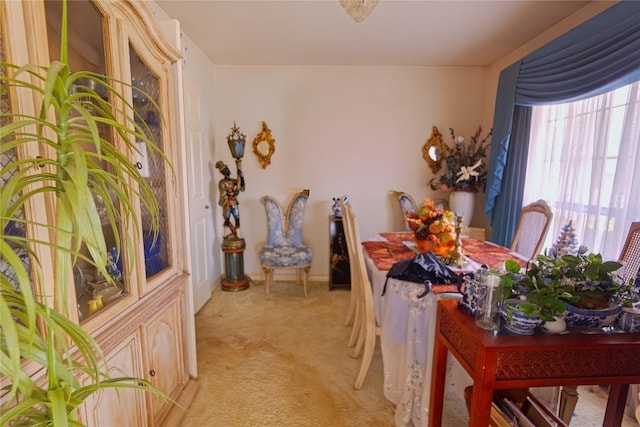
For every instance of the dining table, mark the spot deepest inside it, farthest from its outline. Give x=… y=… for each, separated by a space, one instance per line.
x=407 y=319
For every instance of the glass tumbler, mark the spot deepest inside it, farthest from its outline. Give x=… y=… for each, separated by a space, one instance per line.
x=488 y=316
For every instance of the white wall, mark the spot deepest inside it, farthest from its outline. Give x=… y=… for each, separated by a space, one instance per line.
x=339 y=129
x=355 y=130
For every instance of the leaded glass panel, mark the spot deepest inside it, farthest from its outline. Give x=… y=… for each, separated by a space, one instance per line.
x=151 y=164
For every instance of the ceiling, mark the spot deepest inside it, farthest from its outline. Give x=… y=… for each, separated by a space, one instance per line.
x=396 y=33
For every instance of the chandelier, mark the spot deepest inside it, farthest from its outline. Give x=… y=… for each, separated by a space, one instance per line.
x=358 y=9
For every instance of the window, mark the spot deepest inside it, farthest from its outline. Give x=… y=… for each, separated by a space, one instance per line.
x=584 y=160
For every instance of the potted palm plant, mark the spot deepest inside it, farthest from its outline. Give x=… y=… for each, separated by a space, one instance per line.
x=77 y=119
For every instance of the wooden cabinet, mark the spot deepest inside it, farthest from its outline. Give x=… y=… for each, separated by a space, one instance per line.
x=140 y=329
x=125 y=360
x=339 y=271
x=164 y=360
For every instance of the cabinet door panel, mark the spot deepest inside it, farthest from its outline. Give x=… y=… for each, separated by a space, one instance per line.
x=124 y=407
x=165 y=364
x=146 y=97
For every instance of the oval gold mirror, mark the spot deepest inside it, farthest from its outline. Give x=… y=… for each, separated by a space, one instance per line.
x=433 y=150
x=264 y=146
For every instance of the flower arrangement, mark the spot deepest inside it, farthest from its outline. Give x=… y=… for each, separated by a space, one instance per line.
x=433 y=228
x=466 y=167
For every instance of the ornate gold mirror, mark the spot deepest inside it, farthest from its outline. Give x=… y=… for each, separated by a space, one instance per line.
x=433 y=150
x=264 y=146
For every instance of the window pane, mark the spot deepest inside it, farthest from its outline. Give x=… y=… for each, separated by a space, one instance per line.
x=584 y=160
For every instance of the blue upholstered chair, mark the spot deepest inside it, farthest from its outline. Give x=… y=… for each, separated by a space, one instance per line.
x=284 y=249
x=407 y=204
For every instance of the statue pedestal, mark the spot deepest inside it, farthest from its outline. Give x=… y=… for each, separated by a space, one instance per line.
x=234 y=278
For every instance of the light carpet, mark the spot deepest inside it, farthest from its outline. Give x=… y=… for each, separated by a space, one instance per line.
x=285 y=363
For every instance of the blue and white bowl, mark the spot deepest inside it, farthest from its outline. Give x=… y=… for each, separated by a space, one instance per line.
x=629 y=320
x=595 y=319
x=515 y=320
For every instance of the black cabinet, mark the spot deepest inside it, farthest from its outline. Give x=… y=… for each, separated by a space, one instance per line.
x=339 y=271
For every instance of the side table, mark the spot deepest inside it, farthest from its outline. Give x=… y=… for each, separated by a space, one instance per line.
x=510 y=361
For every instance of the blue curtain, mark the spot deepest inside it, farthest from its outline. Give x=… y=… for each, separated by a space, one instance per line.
x=598 y=56
x=516 y=162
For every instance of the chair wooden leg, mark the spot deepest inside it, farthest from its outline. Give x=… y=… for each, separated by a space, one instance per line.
x=353 y=303
x=361 y=330
x=360 y=342
x=348 y=319
x=357 y=316
x=355 y=329
x=268 y=276
x=369 y=345
x=305 y=278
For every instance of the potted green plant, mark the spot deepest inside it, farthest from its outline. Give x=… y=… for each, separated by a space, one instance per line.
x=541 y=294
x=582 y=286
x=74 y=122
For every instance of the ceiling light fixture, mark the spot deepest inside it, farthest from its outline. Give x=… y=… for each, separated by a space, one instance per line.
x=358 y=9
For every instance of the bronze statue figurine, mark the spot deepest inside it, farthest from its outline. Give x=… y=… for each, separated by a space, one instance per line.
x=229 y=189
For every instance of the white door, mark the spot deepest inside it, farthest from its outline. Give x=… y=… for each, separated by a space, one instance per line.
x=201 y=209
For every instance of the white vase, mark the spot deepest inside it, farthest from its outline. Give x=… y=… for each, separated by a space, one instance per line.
x=462 y=202
x=555 y=327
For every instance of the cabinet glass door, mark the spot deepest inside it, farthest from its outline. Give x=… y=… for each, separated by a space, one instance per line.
x=86 y=52
x=14 y=228
x=151 y=164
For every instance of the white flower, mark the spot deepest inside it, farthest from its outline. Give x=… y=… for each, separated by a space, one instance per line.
x=461 y=139
x=466 y=172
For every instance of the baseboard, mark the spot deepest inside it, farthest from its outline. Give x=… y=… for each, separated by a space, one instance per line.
x=284 y=277
x=178 y=410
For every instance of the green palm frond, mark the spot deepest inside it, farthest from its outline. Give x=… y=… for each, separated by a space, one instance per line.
x=69 y=122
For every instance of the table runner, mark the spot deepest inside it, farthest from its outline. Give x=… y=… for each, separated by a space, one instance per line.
x=400 y=236
x=385 y=254
x=489 y=254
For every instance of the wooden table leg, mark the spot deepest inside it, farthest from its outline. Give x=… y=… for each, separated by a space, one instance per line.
x=481 y=398
x=439 y=372
x=615 y=405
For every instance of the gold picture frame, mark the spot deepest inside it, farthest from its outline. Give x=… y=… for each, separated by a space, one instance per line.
x=264 y=145
x=433 y=150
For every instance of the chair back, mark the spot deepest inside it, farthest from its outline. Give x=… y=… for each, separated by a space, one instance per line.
x=533 y=226
x=285 y=227
x=346 y=223
x=407 y=204
x=630 y=255
x=364 y=326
